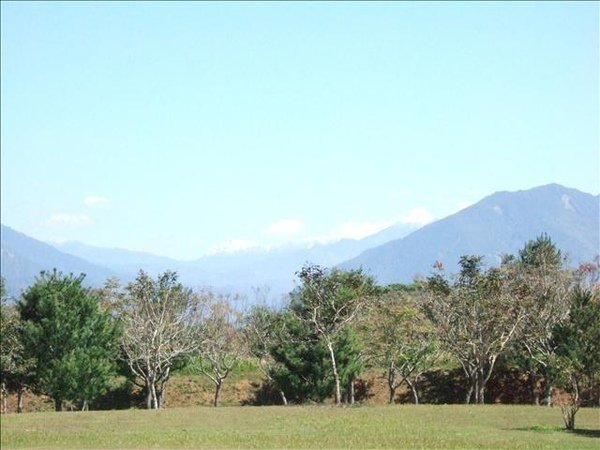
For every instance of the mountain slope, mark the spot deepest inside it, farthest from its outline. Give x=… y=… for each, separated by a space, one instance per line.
x=23 y=258
x=126 y=262
x=500 y=223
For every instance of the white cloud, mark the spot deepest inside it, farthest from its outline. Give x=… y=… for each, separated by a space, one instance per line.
x=95 y=201
x=417 y=216
x=69 y=220
x=284 y=227
x=351 y=230
x=233 y=246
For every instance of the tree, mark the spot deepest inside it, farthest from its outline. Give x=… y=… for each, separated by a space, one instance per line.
x=160 y=327
x=300 y=357
x=72 y=341
x=221 y=344
x=350 y=359
x=329 y=301
x=402 y=341
x=15 y=366
x=544 y=289
x=578 y=350
x=264 y=330
x=476 y=316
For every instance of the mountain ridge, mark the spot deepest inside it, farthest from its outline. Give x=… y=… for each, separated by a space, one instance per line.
x=568 y=215
x=499 y=223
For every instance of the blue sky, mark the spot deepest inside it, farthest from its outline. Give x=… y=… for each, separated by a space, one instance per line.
x=187 y=128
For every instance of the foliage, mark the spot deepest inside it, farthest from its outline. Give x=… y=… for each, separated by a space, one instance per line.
x=15 y=365
x=72 y=341
x=578 y=350
x=300 y=368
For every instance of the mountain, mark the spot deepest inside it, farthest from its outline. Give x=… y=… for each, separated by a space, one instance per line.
x=500 y=223
x=239 y=271
x=126 y=263
x=23 y=258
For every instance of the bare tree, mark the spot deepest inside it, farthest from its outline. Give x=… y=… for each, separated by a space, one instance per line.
x=329 y=301
x=222 y=344
x=160 y=325
x=476 y=317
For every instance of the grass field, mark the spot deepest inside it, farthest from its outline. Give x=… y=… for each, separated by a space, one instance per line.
x=394 y=426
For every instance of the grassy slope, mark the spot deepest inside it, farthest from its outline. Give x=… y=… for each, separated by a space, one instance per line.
x=396 y=426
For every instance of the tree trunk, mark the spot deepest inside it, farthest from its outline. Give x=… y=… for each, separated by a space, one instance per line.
x=535 y=393
x=163 y=388
x=548 y=393
x=351 y=392
x=413 y=388
x=336 y=376
x=217 y=393
x=85 y=406
x=154 y=397
x=148 y=395
x=391 y=379
x=283 y=399
x=470 y=392
x=548 y=388
x=392 y=395
x=4 y=398
x=20 y=393
x=58 y=404
x=481 y=395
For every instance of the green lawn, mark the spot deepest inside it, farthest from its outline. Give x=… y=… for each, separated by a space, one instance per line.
x=394 y=426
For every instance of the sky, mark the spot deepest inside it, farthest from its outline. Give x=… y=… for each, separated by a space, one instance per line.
x=184 y=129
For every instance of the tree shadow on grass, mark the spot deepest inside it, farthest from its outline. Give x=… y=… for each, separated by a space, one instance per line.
x=587 y=433
x=558 y=429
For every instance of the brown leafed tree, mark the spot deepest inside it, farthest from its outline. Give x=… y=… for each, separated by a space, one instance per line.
x=221 y=344
x=476 y=316
x=544 y=288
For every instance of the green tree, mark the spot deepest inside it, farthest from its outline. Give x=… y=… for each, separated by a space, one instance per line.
x=329 y=301
x=73 y=342
x=263 y=331
x=300 y=360
x=577 y=358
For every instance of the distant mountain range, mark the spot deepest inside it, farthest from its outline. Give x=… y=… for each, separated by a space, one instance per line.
x=500 y=223
x=237 y=272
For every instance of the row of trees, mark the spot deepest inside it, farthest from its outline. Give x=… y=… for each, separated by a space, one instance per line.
x=69 y=342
